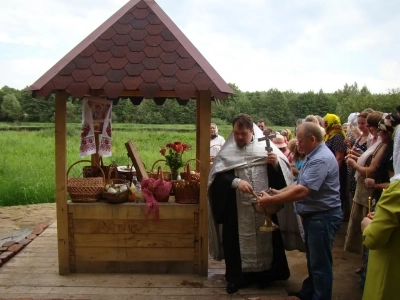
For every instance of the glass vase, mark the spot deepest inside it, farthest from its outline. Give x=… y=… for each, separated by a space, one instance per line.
x=174 y=174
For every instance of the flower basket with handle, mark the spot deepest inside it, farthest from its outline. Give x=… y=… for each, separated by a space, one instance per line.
x=85 y=190
x=193 y=174
x=120 y=185
x=187 y=191
x=155 y=175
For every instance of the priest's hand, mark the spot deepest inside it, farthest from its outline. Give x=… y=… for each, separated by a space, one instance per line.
x=245 y=187
x=272 y=159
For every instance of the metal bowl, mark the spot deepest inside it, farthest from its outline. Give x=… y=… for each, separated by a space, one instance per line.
x=267 y=210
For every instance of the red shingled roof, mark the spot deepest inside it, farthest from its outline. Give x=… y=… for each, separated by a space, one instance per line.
x=138 y=52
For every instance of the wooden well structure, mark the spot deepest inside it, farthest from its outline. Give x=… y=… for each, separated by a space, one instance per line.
x=138 y=53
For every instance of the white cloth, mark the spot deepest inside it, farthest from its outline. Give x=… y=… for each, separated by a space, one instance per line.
x=363 y=158
x=96 y=112
x=216 y=145
x=249 y=164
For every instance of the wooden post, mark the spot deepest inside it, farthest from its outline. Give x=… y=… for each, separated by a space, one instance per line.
x=61 y=181
x=203 y=120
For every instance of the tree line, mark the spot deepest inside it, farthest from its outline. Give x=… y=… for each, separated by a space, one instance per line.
x=275 y=107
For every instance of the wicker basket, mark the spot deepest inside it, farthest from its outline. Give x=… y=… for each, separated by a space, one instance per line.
x=195 y=176
x=186 y=191
x=85 y=190
x=117 y=197
x=165 y=175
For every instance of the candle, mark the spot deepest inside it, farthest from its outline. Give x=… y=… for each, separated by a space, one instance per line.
x=369 y=204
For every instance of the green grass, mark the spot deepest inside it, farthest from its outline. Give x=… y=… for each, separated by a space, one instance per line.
x=27 y=158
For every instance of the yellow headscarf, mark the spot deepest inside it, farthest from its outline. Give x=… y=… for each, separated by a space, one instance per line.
x=333 y=126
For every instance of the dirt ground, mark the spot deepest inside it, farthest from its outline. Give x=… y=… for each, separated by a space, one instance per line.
x=16 y=222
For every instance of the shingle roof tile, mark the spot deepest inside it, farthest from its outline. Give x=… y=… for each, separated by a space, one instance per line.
x=169 y=57
x=132 y=82
x=97 y=82
x=153 y=19
x=99 y=68
x=67 y=70
x=155 y=29
x=81 y=74
x=139 y=24
x=121 y=39
x=140 y=13
x=108 y=34
x=119 y=51
x=185 y=63
x=134 y=69
x=116 y=75
x=117 y=62
x=149 y=89
x=167 y=83
x=150 y=75
x=185 y=90
x=83 y=62
x=137 y=49
x=135 y=57
x=170 y=46
x=168 y=69
x=102 y=57
x=126 y=18
x=152 y=51
x=79 y=89
x=61 y=82
x=151 y=63
x=138 y=34
x=122 y=28
x=113 y=89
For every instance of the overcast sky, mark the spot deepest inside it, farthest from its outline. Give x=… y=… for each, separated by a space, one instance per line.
x=297 y=45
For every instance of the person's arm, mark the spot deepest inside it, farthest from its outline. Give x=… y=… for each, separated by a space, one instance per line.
x=291 y=193
x=378 y=233
x=339 y=157
x=369 y=170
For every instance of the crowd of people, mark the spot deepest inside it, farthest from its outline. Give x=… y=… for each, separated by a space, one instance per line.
x=327 y=173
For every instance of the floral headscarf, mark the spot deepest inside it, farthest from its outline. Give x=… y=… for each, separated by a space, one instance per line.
x=333 y=126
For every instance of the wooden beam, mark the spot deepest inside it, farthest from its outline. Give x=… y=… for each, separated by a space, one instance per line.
x=133 y=153
x=203 y=108
x=61 y=181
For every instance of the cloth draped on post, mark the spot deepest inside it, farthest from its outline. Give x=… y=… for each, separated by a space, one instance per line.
x=249 y=163
x=96 y=116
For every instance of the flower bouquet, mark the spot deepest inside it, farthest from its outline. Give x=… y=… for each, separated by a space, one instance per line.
x=174 y=156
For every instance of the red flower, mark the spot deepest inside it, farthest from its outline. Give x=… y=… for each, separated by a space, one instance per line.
x=174 y=156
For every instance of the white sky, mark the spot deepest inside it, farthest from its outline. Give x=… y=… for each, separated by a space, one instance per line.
x=257 y=44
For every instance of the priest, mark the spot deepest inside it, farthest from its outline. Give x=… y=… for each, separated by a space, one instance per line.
x=241 y=169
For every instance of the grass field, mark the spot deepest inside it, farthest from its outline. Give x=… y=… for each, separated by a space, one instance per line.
x=27 y=158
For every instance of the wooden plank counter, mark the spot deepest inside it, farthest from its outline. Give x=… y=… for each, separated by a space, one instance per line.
x=117 y=238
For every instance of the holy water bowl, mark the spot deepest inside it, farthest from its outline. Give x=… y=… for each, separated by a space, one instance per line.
x=267 y=211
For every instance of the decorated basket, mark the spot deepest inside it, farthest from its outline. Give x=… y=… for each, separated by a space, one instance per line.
x=165 y=175
x=194 y=175
x=187 y=191
x=85 y=190
x=114 y=181
x=160 y=190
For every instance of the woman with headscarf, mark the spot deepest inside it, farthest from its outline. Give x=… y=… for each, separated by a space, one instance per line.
x=334 y=140
x=381 y=234
x=216 y=141
x=365 y=167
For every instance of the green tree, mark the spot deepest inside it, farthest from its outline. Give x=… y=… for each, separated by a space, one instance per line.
x=11 y=108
